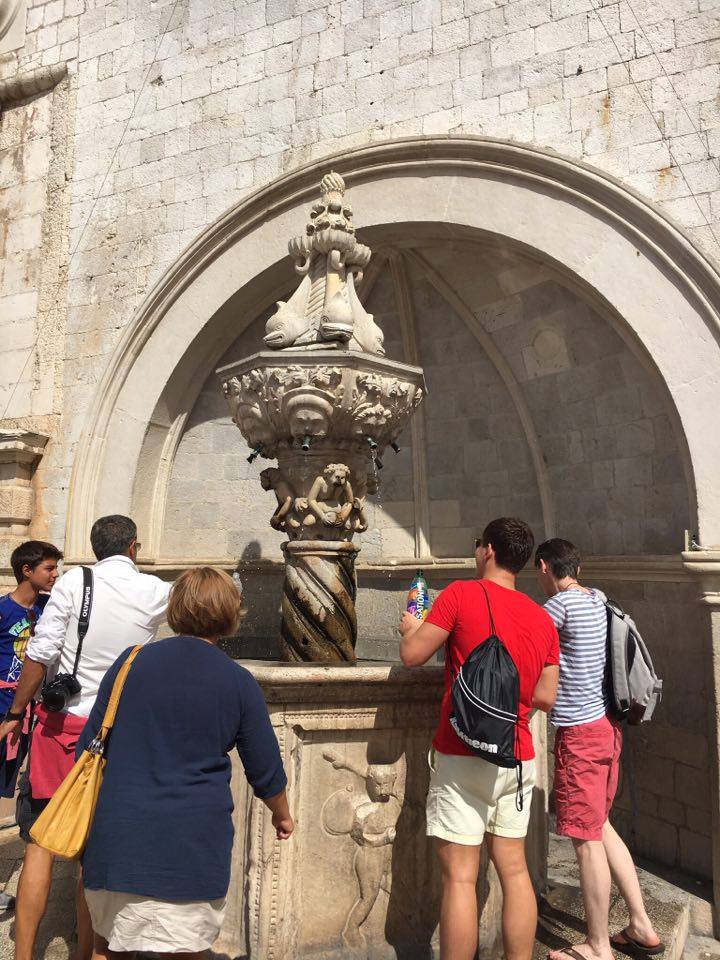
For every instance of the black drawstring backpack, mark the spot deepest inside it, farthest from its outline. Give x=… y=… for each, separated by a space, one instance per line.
x=486 y=704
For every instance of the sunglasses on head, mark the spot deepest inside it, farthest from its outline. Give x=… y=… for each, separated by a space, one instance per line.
x=478 y=543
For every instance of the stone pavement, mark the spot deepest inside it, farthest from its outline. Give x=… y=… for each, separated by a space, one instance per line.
x=56 y=932
x=679 y=907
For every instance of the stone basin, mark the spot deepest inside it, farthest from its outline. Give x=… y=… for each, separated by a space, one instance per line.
x=304 y=404
x=354 y=740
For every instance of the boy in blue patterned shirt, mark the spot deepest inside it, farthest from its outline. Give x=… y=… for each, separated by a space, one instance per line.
x=35 y=566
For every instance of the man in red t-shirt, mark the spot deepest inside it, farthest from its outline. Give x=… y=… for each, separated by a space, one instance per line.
x=471 y=799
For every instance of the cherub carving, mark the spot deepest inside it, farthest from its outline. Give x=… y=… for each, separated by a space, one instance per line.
x=331 y=498
x=272 y=479
x=369 y=818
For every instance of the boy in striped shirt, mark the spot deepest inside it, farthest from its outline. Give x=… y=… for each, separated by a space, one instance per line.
x=587 y=757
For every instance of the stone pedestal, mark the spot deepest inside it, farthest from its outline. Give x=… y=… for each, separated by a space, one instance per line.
x=20 y=451
x=318 y=603
x=358 y=879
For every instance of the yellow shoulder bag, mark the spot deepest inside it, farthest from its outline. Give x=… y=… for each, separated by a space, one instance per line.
x=64 y=825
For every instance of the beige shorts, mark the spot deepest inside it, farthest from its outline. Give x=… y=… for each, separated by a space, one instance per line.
x=131 y=923
x=469 y=797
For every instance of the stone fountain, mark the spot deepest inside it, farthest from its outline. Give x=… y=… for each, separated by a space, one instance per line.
x=359 y=878
x=324 y=402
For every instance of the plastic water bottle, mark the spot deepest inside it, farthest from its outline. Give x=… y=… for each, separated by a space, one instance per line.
x=418 y=601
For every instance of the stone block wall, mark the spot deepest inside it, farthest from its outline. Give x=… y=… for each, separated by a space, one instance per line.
x=183 y=109
x=606 y=455
x=670 y=821
x=173 y=112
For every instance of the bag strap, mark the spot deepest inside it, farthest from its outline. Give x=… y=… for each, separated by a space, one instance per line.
x=487 y=600
x=114 y=701
x=492 y=630
x=84 y=618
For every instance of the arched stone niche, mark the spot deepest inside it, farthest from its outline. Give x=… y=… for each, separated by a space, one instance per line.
x=536 y=407
x=631 y=262
x=645 y=292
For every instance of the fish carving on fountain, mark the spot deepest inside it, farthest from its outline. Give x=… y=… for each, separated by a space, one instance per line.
x=325 y=402
x=325 y=308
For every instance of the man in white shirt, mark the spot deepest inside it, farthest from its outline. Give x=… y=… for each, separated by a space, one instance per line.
x=127 y=608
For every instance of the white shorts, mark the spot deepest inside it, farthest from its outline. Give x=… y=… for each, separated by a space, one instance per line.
x=130 y=923
x=469 y=797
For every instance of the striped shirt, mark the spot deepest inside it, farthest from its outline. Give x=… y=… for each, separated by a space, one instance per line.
x=581 y=622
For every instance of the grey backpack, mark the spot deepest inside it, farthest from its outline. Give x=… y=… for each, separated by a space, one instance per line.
x=632 y=686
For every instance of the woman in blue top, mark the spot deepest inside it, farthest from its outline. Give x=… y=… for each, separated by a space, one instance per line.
x=156 y=868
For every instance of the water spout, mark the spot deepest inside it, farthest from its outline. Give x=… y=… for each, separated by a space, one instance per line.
x=256 y=453
x=395 y=447
x=306 y=444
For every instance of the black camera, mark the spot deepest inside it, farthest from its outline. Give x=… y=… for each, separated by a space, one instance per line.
x=59 y=692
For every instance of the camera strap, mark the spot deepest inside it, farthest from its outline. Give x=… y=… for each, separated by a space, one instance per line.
x=84 y=618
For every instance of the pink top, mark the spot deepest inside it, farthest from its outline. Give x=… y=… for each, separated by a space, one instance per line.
x=52 y=750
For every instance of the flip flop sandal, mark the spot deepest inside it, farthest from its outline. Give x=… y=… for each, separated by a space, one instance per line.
x=569 y=952
x=633 y=948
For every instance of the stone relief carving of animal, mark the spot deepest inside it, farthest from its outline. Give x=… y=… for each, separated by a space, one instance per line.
x=331 y=497
x=273 y=479
x=369 y=817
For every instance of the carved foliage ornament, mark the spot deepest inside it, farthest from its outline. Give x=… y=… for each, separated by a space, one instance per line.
x=275 y=405
x=325 y=308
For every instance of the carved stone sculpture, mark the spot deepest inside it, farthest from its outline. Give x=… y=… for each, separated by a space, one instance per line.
x=332 y=489
x=369 y=817
x=323 y=402
x=318 y=601
x=325 y=308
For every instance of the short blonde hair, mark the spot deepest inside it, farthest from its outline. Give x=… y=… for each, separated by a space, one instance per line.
x=204 y=602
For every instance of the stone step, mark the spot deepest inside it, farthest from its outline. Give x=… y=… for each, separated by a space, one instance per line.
x=678 y=906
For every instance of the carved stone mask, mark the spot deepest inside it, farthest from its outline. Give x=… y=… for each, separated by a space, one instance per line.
x=380 y=781
x=309 y=415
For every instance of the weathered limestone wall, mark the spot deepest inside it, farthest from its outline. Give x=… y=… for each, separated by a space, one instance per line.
x=235 y=96
x=608 y=460
x=164 y=123
x=670 y=758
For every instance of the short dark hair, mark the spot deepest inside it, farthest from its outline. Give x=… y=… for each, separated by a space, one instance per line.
x=112 y=535
x=512 y=540
x=561 y=556
x=31 y=554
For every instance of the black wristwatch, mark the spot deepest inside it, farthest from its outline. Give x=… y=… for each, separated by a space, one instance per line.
x=10 y=716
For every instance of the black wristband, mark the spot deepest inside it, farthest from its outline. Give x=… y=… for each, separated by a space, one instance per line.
x=10 y=716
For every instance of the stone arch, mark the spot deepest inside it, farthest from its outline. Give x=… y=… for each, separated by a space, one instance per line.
x=624 y=253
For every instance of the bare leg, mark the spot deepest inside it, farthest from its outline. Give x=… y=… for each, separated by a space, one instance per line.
x=370 y=865
x=459 y=912
x=85 y=935
x=595 y=885
x=626 y=879
x=101 y=951
x=519 y=921
x=32 y=898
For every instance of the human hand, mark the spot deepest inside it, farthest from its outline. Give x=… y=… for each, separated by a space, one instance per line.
x=408 y=624
x=10 y=730
x=284 y=826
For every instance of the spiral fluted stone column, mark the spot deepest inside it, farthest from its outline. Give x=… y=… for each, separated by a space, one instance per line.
x=318 y=603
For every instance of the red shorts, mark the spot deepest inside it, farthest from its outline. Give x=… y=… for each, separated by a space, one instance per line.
x=587 y=759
